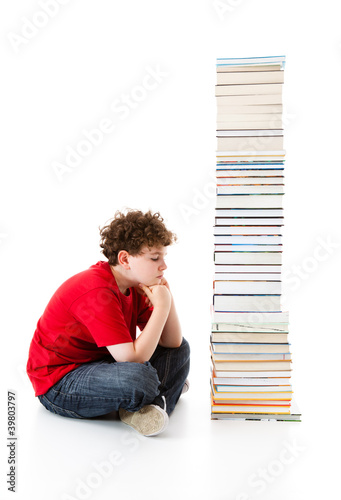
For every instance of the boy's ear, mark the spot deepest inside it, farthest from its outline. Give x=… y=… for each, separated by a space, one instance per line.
x=123 y=259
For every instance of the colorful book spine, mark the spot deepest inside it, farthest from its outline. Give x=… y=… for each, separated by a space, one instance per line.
x=250 y=352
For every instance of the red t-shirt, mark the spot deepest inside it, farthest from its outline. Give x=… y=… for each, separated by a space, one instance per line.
x=86 y=313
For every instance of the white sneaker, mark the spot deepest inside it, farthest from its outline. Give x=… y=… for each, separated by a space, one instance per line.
x=149 y=421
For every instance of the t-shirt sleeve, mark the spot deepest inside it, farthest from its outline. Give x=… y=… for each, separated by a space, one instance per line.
x=144 y=312
x=101 y=313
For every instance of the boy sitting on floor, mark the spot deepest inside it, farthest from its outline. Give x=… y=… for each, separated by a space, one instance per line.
x=85 y=360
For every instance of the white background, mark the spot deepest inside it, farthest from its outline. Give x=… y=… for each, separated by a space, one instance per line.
x=65 y=79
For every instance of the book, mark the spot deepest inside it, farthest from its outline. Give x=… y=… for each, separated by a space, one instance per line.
x=235 y=119
x=246 y=303
x=275 y=326
x=270 y=162
x=247 y=268
x=240 y=383
x=256 y=376
x=226 y=408
x=271 y=391
x=248 y=239
x=251 y=398
x=248 y=109
x=255 y=142
x=249 y=221
x=245 y=347
x=247 y=337
x=250 y=181
x=251 y=318
x=226 y=158
x=252 y=366
x=292 y=417
x=253 y=322
x=249 y=394
x=237 y=287
x=248 y=89
x=249 y=189
x=253 y=156
x=263 y=99
x=250 y=61
x=249 y=201
x=269 y=124
x=230 y=68
x=273 y=123
x=224 y=175
x=248 y=257
x=244 y=212
x=251 y=401
x=237 y=247
x=247 y=230
x=247 y=356
x=249 y=166
x=240 y=77
x=246 y=276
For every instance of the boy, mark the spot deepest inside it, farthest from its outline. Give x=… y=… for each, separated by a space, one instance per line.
x=85 y=359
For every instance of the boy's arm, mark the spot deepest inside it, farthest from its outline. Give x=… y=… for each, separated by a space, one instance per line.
x=144 y=346
x=171 y=334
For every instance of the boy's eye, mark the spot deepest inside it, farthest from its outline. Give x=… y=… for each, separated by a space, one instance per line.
x=157 y=258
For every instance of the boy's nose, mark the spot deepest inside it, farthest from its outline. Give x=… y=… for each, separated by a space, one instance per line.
x=163 y=266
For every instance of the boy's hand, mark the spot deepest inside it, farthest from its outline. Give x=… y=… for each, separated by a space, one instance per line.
x=164 y=282
x=158 y=295
x=139 y=290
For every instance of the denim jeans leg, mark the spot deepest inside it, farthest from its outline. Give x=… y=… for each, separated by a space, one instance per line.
x=101 y=387
x=172 y=365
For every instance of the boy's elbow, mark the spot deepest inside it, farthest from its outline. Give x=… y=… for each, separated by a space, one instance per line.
x=125 y=353
x=171 y=344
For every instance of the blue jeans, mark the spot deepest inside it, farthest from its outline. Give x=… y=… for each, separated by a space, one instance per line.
x=101 y=387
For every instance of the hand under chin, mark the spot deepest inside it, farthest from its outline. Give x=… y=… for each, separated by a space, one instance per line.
x=154 y=282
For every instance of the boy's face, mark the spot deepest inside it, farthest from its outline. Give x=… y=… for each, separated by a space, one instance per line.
x=148 y=266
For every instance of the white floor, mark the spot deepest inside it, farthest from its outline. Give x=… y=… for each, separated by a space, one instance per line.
x=66 y=459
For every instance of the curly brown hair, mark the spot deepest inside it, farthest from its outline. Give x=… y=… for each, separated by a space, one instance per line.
x=132 y=231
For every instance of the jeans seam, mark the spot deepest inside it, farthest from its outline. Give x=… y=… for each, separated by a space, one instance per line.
x=54 y=406
x=167 y=367
x=92 y=398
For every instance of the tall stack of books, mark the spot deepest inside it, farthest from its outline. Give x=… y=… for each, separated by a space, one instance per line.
x=251 y=359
